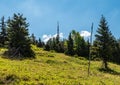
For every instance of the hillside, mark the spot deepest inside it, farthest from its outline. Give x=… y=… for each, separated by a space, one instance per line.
x=50 y=68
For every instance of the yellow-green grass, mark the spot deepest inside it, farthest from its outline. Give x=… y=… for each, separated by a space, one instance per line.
x=50 y=68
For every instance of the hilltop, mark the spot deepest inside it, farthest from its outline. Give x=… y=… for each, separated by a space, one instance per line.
x=51 y=68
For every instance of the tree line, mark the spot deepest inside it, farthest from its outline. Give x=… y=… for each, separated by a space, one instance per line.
x=14 y=35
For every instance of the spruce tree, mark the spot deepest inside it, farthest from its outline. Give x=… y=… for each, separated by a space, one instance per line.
x=115 y=57
x=84 y=51
x=3 y=33
x=104 y=40
x=80 y=45
x=33 y=39
x=18 y=36
x=48 y=46
x=70 y=50
x=40 y=43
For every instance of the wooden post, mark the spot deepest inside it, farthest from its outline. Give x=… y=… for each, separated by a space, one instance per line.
x=90 y=49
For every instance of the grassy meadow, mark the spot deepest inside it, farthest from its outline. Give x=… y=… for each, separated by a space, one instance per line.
x=50 y=68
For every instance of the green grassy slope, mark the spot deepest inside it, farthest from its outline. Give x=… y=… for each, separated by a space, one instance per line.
x=54 y=69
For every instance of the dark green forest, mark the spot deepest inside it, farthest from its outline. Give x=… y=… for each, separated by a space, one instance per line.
x=14 y=35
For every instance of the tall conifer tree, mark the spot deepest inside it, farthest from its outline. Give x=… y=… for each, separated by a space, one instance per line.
x=18 y=35
x=104 y=40
x=70 y=45
x=3 y=33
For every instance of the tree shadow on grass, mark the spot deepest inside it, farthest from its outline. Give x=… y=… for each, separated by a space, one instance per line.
x=110 y=71
x=16 y=57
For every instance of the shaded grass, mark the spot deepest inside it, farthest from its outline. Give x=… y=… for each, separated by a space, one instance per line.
x=110 y=71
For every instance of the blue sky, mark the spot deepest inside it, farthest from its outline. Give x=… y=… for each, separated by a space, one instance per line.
x=71 y=14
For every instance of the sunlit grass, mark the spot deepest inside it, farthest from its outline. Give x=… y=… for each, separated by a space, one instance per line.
x=50 y=68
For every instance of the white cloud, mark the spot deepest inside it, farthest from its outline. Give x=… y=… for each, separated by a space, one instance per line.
x=61 y=35
x=45 y=37
x=85 y=34
x=55 y=35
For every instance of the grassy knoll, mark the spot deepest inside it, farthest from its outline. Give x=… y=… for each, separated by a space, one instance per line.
x=51 y=68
